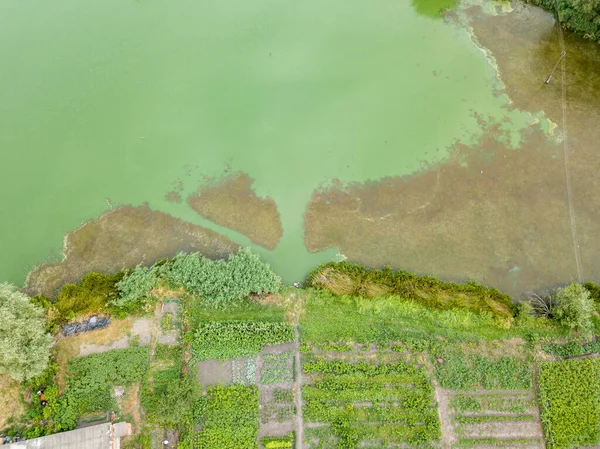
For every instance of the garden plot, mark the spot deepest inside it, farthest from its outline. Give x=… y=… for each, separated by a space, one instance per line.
x=275 y=368
x=214 y=372
x=366 y=402
x=570 y=402
x=502 y=418
x=169 y=323
x=489 y=399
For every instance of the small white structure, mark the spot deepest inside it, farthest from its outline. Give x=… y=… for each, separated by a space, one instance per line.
x=100 y=436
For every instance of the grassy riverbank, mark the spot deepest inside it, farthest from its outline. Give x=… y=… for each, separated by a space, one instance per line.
x=206 y=354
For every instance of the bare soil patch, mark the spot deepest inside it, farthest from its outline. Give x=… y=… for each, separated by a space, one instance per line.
x=489 y=213
x=10 y=403
x=140 y=329
x=232 y=202
x=123 y=238
x=214 y=372
x=131 y=406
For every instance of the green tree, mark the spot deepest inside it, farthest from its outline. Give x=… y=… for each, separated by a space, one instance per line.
x=24 y=342
x=573 y=307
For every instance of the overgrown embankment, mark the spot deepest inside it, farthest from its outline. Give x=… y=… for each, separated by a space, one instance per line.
x=342 y=278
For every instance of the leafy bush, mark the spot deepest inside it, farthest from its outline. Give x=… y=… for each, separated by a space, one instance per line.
x=24 y=342
x=229 y=418
x=237 y=339
x=342 y=278
x=570 y=402
x=573 y=308
x=221 y=282
x=594 y=292
x=134 y=289
x=90 y=295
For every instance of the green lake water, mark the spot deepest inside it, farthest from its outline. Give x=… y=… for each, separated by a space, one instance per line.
x=121 y=99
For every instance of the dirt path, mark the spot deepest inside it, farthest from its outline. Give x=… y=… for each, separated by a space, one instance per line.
x=299 y=421
x=448 y=438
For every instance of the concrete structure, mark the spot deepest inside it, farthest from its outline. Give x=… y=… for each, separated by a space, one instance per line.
x=100 y=436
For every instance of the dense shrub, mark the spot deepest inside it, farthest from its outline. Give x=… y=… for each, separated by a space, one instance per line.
x=570 y=402
x=90 y=295
x=594 y=293
x=236 y=339
x=573 y=308
x=221 y=282
x=24 y=342
x=342 y=278
x=134 y=289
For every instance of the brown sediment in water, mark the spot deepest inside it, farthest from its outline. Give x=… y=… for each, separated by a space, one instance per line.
x=174 y=196
x=502 y=222
x=122 y=238
x=526 y=46
x=231 y=202
x=497 y=215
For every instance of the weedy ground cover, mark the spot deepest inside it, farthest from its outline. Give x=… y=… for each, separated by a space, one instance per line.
x=572 y=349
x=228 y=418
x=570 y=402
x=90 y=382
x=330 y=318
x=459 y=371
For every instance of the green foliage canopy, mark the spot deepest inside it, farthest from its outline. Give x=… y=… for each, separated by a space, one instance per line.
x=573 y=307
x=89 y=385
x=24 y=342
x=581 y=16
x=134 y=288
x=222 y=282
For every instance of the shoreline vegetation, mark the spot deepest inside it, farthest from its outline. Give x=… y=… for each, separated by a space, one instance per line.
x=580 y=16
x=203 y=354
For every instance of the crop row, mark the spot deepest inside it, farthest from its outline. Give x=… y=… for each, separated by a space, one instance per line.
x=237 y=339
x=228 y=418
x=570 y=402
x=362 y=402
